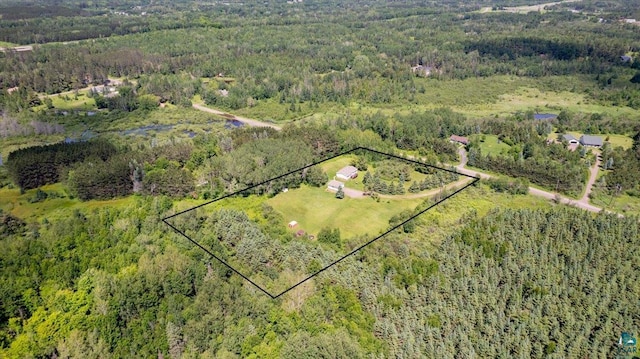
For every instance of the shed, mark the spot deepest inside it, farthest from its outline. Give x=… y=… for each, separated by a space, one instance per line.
x=293 y=224
x=544 y=116
x=459 y=139
x=335 y=185
x=300 y=233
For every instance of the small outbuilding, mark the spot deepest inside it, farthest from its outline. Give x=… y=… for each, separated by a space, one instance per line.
x=335 y=185
x=459 y=139
x=293 y=224
x=570 y=139
x=300 y=233
x=544 y=116
x=593 y=141
x=347 y=173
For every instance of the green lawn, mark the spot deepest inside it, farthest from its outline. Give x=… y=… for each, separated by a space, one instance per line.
x=315 y=208
x=334 y=165
x=491 y=145
x=18 y=204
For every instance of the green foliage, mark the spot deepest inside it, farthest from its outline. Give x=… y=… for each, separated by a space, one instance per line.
x=39 y=165
x=518 y=186
x=315 y=176
x=170 y=180
x=102 y=179
x=340 y=193
x=330 y=236
x=10 y=225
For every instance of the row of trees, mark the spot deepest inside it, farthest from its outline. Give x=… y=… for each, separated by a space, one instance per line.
x=33 y=167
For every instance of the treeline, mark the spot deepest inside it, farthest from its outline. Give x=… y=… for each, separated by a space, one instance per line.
x=512 y=48
x=39 y=165
x=542 y=169
x=624 y=176
x=427 y=132
x=153 y=171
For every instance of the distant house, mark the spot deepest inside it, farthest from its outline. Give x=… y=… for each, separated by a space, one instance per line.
x=544 y=116
x=570 y=139
x=347 y=173
x=594 y=141
x=293 y=224
x=459 y=139
x=421 y=70
x=335 y=185
x=625 y=58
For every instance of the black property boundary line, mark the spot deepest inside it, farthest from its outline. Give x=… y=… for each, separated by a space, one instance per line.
x=475 y=179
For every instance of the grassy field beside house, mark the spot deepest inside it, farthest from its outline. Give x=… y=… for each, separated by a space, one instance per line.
x=491 y=145
x=316 y=208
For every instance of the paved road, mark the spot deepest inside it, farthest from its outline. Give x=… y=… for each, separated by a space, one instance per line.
x=248 y=121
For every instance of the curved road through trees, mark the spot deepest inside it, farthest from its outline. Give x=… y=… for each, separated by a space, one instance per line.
x=583 y=203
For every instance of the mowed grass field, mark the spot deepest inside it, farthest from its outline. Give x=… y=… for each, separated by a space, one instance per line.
x=491 y=145
x=316 y=208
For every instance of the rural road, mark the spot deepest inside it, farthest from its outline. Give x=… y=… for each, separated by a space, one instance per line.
x=583 y=203
x=248 y=121
x=593 y=174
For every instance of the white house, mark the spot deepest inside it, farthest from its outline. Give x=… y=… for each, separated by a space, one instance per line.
x=347 y=173
x=335 y=185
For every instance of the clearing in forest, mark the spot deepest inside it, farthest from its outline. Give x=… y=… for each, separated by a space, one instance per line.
x=280 y=233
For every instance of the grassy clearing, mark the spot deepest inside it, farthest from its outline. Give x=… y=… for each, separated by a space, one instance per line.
x=19 y=204
x=624 y=204
x=483 y=97
x=72 y=102
x=334 y=165
x=315 y=208
x=491 y=145
x=251 y=205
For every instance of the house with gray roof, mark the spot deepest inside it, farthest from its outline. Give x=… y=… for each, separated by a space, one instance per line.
x=593 y=141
